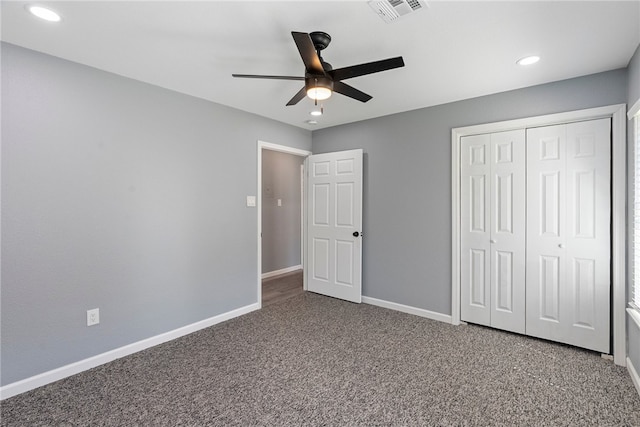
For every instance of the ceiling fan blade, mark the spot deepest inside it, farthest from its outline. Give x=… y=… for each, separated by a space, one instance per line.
x=259 y=76
x=367 y=68
x=350 y=91
x=298 y=96
x=308 y=53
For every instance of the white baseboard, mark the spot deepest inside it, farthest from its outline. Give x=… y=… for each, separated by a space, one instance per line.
x=634 y=375
x=281 y=271
x=48 y=377
x=408 y=309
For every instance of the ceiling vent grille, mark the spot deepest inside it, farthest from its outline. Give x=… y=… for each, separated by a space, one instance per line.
x=390 y=10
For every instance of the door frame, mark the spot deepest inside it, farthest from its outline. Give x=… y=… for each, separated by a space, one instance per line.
x=263 y=145
x=618 y=205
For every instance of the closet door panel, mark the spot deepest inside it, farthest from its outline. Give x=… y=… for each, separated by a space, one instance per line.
x=588 y=235
x=508 y=230
x=568 y=234
x=475 y=224
x=546 y=204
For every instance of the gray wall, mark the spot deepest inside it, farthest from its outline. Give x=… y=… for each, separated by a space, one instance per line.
x=633 y=331
x=124 y=196
x=407 y=180
x=280 y=224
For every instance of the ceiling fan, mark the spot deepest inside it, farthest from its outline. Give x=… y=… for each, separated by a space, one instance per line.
x=320 y=79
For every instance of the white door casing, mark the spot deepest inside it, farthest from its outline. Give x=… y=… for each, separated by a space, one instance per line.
x=568 y=233
x=334 y=224
x=493 y=230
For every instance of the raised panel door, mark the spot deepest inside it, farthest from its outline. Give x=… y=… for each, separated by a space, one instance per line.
x=475 y=206
x=588 y=236
x=507 y=242
x=546 y=206
x=493 y=230
x=334 y=207
x=568 y=234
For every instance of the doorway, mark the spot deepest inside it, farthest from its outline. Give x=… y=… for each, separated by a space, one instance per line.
x=280 y=220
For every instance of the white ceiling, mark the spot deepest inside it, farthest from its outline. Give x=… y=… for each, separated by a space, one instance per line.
x=452 y=50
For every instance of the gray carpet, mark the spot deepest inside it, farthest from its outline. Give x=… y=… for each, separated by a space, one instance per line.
x=312 y=360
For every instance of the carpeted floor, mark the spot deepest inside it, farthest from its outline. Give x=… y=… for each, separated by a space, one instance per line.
x=317 y=361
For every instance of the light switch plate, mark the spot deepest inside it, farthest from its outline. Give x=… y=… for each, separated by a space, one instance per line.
x=93 y=317
x=251 y=201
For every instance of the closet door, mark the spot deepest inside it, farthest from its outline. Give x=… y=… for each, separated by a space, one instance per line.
x=475 y=205
x=493 y=230
x=508 y=204
x=568 y=234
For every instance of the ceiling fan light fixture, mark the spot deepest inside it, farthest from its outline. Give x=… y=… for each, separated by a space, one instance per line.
x=319 y=88
x=319 y=93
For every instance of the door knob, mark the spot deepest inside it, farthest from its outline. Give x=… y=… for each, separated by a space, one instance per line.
x=561 y=246
x=492 y=241
x=356 y=234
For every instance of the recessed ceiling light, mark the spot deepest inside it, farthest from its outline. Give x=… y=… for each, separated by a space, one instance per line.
x=312 y=122
x=44 y=13
x=317 y=111
x=528 y=60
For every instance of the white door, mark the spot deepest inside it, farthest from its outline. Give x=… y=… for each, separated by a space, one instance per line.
x=493 y=230
x=508 y=226
x=334 y=225
x=568 y=233
x=475 y=210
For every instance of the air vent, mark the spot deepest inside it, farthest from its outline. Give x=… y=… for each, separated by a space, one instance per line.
x=390 y=10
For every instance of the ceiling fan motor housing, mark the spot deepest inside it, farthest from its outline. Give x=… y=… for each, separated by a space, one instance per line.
x=312 y=81
x=320 y=39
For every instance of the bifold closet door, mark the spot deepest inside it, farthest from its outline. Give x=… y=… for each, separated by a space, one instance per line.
x=493 y=230
x=568 y=233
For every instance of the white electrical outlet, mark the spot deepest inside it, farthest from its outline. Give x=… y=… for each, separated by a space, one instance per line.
x=93 y=317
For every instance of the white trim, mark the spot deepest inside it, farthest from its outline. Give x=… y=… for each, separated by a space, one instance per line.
x=455 y=227
x=634 y=315
x=618 y=232
x=546 y=120
x=305 y=261
x=407 y=309
x=633 y=373
x=283 y=149
x=618 y=176
x=635 y=109
x=48 y=377
x=302 y=223
x=262 y=145
x=282 y=271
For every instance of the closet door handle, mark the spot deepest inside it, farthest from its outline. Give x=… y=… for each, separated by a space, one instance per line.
x=492 y=241
x=561 y=246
